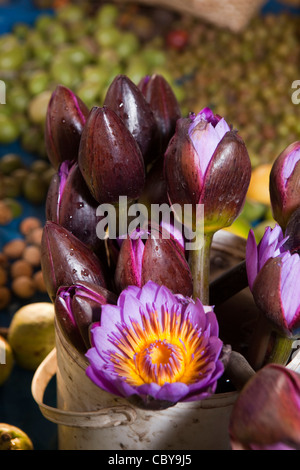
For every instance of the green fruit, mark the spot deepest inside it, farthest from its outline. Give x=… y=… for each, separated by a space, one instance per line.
x=9 y=131
x=38 y=107
x=34 y=188
x=37 y=82
x=6 y=360
x=31 y=334
x=107 y=15
x=13 y=438
x=10 y=162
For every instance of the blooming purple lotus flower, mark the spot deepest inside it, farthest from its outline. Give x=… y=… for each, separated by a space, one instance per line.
x=266 y=414
x=271 y=245
x=154 y=255
x=154 y=348
x=207 y=163
x=285 y=184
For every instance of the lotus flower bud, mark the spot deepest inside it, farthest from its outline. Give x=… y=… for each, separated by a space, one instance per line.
x=65 y=119
x=266 y=414
x=70 y=204
x=275 y=294
x=109 y=158
x=77 y=307
x=285 y=184
x=66 y=260
x=292 y=231
x=164 y=105
x=271 y=245
x=154 y=255
x=129 y=103
x=207 y=163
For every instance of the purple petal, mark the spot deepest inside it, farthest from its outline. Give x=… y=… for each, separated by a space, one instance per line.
x=290 y=275
x=290 y=163
x=173 y=392
x=110 y=315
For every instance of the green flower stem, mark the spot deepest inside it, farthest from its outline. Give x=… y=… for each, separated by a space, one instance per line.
x=281 y=350
x=268 y=346
x=200 y=268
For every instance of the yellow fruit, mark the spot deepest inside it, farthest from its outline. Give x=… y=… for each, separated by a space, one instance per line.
x=13 y=438
x=259 y=184
x=240 y=227
x=6 y=360
x=31 y=334
x=38 y=107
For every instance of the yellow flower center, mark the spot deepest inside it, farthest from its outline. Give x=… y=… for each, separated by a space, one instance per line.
x=162 y=352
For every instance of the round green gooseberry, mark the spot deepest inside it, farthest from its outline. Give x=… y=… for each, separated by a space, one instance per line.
x=20 y=30
x=89 y=93
x=64 y=73
x=43 y=52
x=136 y=69
x=107 y=15
x=11 y=59
x=108 y=36
x=56 y=33
x=128 y=45
x=153 y=57
x=18 y=98
x=38 y=82
x=9 y=131
x=77 y=55
x=10 y=162
x=43 y=22
x=70 y=13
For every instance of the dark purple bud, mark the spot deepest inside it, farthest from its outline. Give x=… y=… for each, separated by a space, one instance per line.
x=66 y=260
x=109 y=158
x=266 y=414
x=285 y=184
x=155 y=256
x=79 y=306
x=70 y=204
x=127 y=100
x=65 y=119
x=66 y=320
x=164 y=105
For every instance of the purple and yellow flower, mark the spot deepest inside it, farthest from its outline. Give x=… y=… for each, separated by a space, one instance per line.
x=271 y=245
x=154 y=346
x=207 y=163
x=266 y=414
x=285 y=184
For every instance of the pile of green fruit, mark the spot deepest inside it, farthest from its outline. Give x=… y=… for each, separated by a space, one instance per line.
x=246 y=77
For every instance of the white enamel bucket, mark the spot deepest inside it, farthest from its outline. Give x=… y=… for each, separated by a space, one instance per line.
x=91 y=419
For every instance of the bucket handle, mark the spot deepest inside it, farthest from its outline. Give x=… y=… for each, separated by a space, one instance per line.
x=102 y=418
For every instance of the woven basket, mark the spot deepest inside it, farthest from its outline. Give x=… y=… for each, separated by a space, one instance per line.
x=232 y=14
